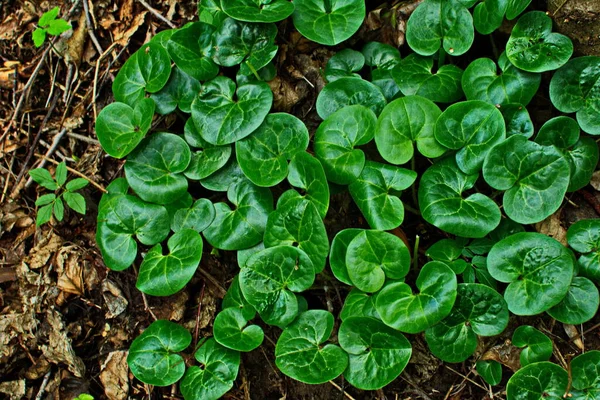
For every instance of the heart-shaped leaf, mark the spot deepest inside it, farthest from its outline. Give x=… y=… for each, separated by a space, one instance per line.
x=344 y=63
x=442 y=203
x=328 y=22
x=180 y=91
x=576 y=88
x=121 y=128
x=230 y=330
x=210 y=11
x=243 y=226
x=346 y=92
x=258 y=10
x=236 y=300
x=359 y=304
x=472 y=128
x=381 y=55
x=478 y=310
x=404 y=121
x=585 y=373
x=300 y=354
x=219 y=369
x=517 y=119
x=153 y=357
x=198 y=217
x=222 y=119
x=298 y=223
x=375 y=192
x=448 y=251
x=535 y=178
x=536 y=346
x=538 y=269
x=533 y=47
x=336 y=138
x=542 y=380
x=191 y=49
x=414 y=75
x=155 y=169
x=337 y=256
x=481 y=81
x=264 y=155
x=208 y=159
x=269 y=278
x=584 y=237
x=488 y=15
x=440 y=23
x=373 y=256
x=377 y=353
x=579 y=305
x=226 y=176
x=410 y=313
x=515 y=8
x=490 y=371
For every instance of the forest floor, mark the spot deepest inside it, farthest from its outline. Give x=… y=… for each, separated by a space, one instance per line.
x=66 y=321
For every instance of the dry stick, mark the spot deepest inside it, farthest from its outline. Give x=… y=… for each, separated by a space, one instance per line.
x=43 y=386
x=95 y=87
x=53 y=147
x=466 y=378
x=157 y=14
x=98 y=186
x=8 y=175
x=409 y=380
x=335 y=385
x=86 y=9
x=83 y=138
x=198 y=314
x=584 y=332
x=213 y=281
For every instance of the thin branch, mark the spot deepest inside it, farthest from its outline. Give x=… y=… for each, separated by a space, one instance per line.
x=157 y=14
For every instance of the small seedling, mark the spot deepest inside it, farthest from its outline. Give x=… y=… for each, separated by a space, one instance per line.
x=49 y=25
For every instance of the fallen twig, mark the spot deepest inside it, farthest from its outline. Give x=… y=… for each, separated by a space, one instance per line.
x=157 y=14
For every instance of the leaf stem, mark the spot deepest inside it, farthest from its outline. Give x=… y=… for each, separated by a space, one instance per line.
x=416 y=253
x=327 y=6
x=412 y=210
x=249 y=64
x=413 y=166
x=441 y=57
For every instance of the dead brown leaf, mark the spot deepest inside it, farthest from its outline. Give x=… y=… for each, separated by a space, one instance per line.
x=114 y=375
x=69 y=267
x=573 y=332
x=173 y=307
x=14 y=328
x=595 y=182
x=552 y=227
x=59 y=349
x=505 y=354
x=122 y=34
x=113 y=296
x=41 y=253
x=14 y=389
x=284 y=94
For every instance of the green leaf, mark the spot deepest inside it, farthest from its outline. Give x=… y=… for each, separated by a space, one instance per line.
x=442 y=203
x=472 y=128
x=45 y=199
x=43 y=178
x=440 y=23
x=191 y=49
x=381 y=55
x=230 y=330
x=328 y=22
x=448 y=251
x=538 y=269
x=243 y=226
x=298 y=223
x=517 y=119
x=221 y=119
x=377 y=353
x=180 y=91
x=300 y=353
x=534 y=177
x=488 y=15
x=346 y=92
x=359 y=304
x=155 y=169
x=576 y=88
x=269 y=278
x=198 y=217
x=210 y=11
x=153 y=357
x=38 y=36
x=585 y=372
x=410 y=313
x=490 y=371
x=478 y=310
x=344 y=63
x=216 y=377
x=373 y=256
x=235 y=299
x=58 y=26
x=182 y=202
x=533 y=47
x=383 y=79
x=76 y=184
x=59 y=209
x=220 y=181
x=375 y=192
x=121 y=128
x=162 y=38
x=336 y=139
x=75 y=201
x=147 y=70
x=258 y=10
x=536 y=346
x=584 y=237
x=404 y=121
x=44 y=214
x=244 y=255
x=415 y=76
x=480 y=81
x=515 y=8
x=337 y=256
x=506 y=228
x=61 y=173
x=542 y=380
x=206 y=161
x=579 y=305
x=264 y=155
x=48 y=16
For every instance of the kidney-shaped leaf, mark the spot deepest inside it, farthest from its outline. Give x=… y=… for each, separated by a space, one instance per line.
x=258 y=10
x=346 y=92
x=488 y=15
x=300 y=354
x=180 y=91
x=359 y=304
x=226 y=176
x=579 y=305
x=585 y=372
x=543 y=380
x=235 y=299
x=344 y=63
x=517 y=119
x=584 y=237
x=206 y=158
x=337 y=256
x=197 y=217
x=536 y=346
x=230 y=330
x=490 y=371
x=516 y=7
x=191 y=49
x=538 y=269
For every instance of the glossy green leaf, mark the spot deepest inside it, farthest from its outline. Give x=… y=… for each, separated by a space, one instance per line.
x=216 y=377
x=45 y=199
x=75 y=201
x=231 y=330
x=579 y=305
x=377 y=353
x=180 y=91
x=442 y=203
x=337 y=256
x=405 y=121
x=48 y=16
x=236 y=300
x=359 y=304
x=300 y=353
x=263 y=156
x=373 y=256
x=413 y=313
x=155 y=169
x=58 y=26
x=59 y=209
x=336 y=139
x=440 y=23
x=76 y=184
x=61 y=173
x=584 y=237
x=269 y=278
x=223 y=115
x=534 y=177
x=191 y=49
x=44 y=215
x=488 y=15
x=585 y=373
x=243 y=226
x=328 y=22
x=344 y=63
x=376 y=190
x=576 y=88
x=515 y=8
x=346 y=92
x=226 y=176
x=538 y=269
x=381 y=55
x=153 y=357
x=481 y=81
x=162 y=38
x=121 y=128
x=208 y=158
x=210 y=11
x=182 y=202
x=542 y=380
x=517 y=119
x=536 y=346
x=490 y=371
x=198 y=217
x=414 y=75
x=43 y=177
x=258 y=10
x=448 y=251
x=533 y=47
x=478 y=310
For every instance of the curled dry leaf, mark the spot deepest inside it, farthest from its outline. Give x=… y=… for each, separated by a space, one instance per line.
x=113 y=296
x=114 y=375
x=41 y=253
x=14 y=389
x=573 y=332
x=595 y=182
x=552 y=227
x=59 y=349
x=284 y=94
x=506 y=354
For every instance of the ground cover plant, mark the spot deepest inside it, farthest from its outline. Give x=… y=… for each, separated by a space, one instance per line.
x=489 y=177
